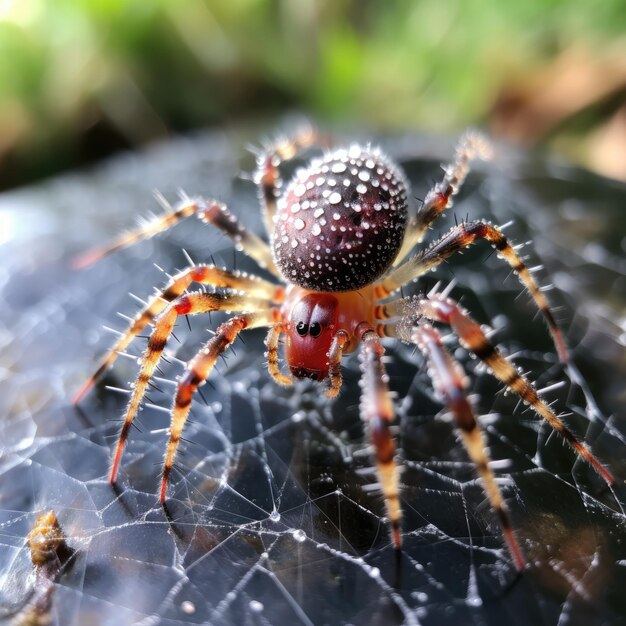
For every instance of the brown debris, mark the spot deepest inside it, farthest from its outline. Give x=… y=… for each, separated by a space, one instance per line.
x=49 y=552
x=544 y=105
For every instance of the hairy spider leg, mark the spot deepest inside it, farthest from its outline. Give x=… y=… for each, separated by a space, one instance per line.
x=472 y=337
x=450 y=383
x=472 y=145
x=176 y=286
x=455 y=240
x=269 y=159
x=377 y=412
x=335 y=354
x=198 y=370
x=210 y=212
x=190 y=304
x=271 y=343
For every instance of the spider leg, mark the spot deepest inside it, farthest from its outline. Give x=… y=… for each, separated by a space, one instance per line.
x=269 y=158
x=198 y=370
x=472 y=337
x=178 y=284
x=189 y=304
x=471 y=145
x=449 y=381
x=377 y=412
x=271 y=343
x=210 y=212
x=458 y=238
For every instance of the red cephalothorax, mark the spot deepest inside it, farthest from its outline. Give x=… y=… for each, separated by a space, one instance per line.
x=340 y=251
x=311 y=326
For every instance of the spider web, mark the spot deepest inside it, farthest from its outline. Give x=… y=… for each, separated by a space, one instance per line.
x=269 y=518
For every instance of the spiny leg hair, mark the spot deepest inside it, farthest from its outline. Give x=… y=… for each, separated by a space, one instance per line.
x=190 y=304
x=176 y=286
x=377 y=413
x=455 y=240
x=445 y=310
x=210 y=212
x=472 y=145
x=198 y=370
x=450 y=383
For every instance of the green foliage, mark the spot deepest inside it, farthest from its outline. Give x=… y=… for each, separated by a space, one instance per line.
x=145 y=68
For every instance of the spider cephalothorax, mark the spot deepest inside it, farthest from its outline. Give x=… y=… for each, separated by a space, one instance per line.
x=341 y=238
x=312 y=324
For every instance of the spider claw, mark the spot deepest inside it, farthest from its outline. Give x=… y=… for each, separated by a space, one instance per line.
x=116 y=464
x=87 y=259
x=82 y=392
x=514 y=549
x=395 y=534
x=163 y=491
x=561 y=348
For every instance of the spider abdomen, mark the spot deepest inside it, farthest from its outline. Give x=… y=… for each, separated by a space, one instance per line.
x=341 y=221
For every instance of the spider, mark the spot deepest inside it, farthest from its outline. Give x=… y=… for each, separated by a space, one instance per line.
x=340 y=243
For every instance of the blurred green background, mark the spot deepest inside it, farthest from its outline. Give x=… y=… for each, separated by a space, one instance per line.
x=81 y=79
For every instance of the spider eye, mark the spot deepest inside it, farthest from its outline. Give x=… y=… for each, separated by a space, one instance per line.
x=302 y=328
x=315 y=329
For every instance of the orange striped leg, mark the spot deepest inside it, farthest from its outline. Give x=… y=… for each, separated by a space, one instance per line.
x=450 y=383
x=189 y=304
x=472 y=145
x=204 y=274
x=378 y=413
x=198 y=370
x=267 y=175
x=472 y=337
x=335 y=354
x=271 y=343
x=209 y=211
x=458 y=238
